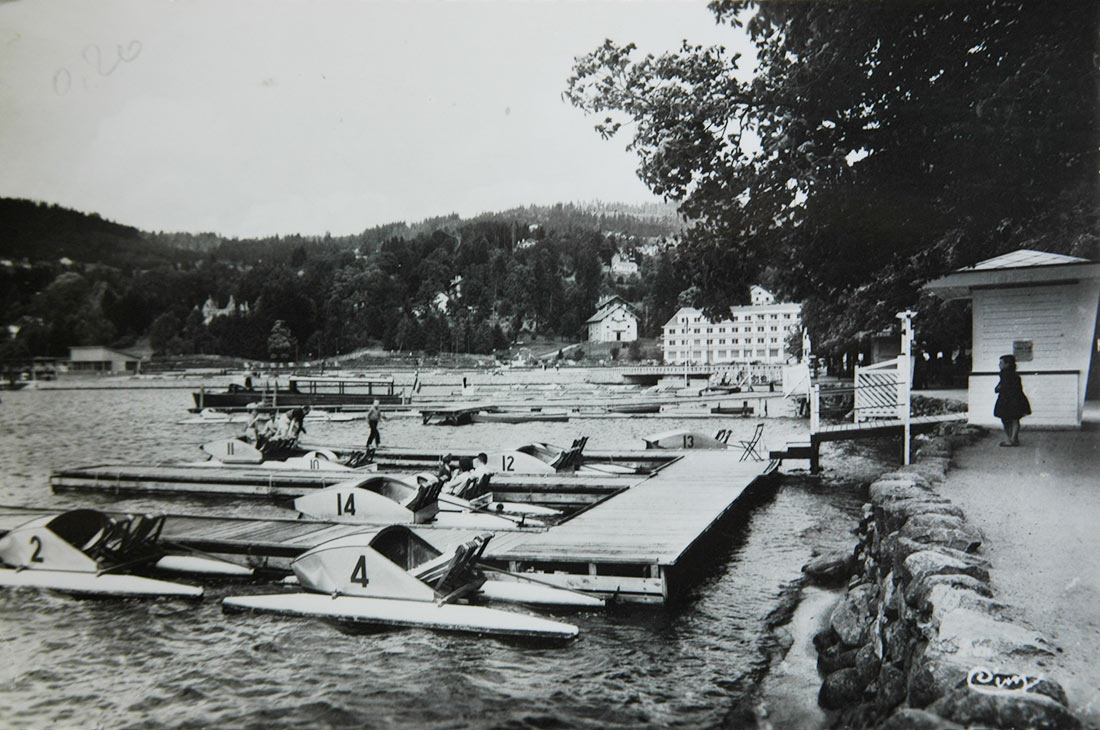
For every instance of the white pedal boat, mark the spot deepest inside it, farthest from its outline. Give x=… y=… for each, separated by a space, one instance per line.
x=79 y=552
x=381 y=498
x=395 y=578
x=235 y=452
x=686 y=439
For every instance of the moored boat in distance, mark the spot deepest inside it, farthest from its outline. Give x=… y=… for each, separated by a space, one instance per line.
x=322 y=391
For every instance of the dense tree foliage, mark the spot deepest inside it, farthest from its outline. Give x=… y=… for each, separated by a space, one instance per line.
x=877 y=145
x=442 y=286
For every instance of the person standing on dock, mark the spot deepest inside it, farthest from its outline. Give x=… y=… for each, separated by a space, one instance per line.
x=374 y=415
x=1012 y=404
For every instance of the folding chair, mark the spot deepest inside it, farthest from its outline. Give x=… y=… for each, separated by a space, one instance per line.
x=750 y=446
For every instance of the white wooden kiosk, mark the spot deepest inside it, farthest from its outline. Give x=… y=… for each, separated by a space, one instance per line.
x=1042 y=308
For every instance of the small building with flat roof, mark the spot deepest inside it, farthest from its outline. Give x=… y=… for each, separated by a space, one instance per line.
x=1042 y=308
x=99 y=359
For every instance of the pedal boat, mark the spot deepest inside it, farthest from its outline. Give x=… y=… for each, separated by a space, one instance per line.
x=395 y=578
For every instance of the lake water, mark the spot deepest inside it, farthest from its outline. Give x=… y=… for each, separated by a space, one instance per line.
x=166 y=664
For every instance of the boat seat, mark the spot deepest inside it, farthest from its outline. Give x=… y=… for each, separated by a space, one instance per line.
x=570 y=458
x=426 y=494
x=460 y=576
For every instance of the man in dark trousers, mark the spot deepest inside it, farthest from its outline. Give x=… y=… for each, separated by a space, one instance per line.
x=374 y=415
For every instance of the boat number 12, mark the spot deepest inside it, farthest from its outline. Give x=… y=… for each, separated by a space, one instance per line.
x=345 y=506
x=36 y=555
x=507 y=463
x=359 y=572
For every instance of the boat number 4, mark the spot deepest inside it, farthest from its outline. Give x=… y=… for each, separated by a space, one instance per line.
x=36 y=555
x=345 y=506
x=507 y=463
x=359 y=572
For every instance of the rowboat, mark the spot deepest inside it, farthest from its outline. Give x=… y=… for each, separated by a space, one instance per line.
x=83 y=552
x=396 y=577
x=519 y=416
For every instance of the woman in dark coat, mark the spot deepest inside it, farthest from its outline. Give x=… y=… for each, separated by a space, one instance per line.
x=1012 y=404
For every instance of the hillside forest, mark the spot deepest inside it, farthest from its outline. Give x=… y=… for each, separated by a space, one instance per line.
x=442 y=285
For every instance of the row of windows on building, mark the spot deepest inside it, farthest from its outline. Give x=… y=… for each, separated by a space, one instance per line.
x=719 y=355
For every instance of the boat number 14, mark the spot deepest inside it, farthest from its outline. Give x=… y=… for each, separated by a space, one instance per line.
x=345 y=506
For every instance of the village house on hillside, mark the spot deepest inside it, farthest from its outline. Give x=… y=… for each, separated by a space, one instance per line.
x=754 y=332
x=614 y=321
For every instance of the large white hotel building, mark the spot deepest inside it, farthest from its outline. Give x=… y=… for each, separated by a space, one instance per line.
x=754 y=332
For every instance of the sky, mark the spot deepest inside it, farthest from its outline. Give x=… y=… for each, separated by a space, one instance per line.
x=260 y=117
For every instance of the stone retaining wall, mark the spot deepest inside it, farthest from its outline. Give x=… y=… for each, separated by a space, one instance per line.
x=919 y=640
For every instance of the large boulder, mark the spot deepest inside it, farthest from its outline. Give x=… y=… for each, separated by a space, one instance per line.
x=896 y=489
x=841 y=689
x=835 y=657
x=830 y=569
x=933 y=675
x=980 y=639
x=923 y=564
x=890 y=516
x=851 y=618
x=1017 y=710
x=934 y=599
x=911 y=719
x=965 y=538
x=868 y=663
x=891 y=687
x=918 y=594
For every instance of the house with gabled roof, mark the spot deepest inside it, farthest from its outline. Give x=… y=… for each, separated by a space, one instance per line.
x=614 y=321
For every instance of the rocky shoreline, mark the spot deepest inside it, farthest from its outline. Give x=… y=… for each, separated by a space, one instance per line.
x=919 y=639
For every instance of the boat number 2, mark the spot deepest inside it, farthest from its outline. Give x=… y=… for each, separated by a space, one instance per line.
x=345 y=506
x=36 y=555
x=689 y=441
x=359 y=572
x=507 y=463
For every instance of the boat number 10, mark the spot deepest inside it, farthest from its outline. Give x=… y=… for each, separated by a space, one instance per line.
x=345 y=506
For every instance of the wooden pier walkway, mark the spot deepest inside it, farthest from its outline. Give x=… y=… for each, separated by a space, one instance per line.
x=642 y=537
x=867 y=429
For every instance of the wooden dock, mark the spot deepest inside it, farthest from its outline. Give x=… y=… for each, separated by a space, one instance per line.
x=166 y=480
x=850 y=431
x=640 y=538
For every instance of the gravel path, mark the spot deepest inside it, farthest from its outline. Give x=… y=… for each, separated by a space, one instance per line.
x=1039 y=507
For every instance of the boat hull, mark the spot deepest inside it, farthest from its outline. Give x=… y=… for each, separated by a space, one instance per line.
x=396 y=613
x=519 y=417
x=91 y=584
x=290 y=399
